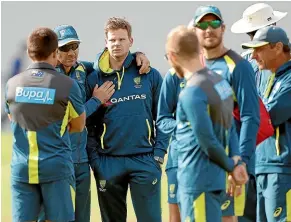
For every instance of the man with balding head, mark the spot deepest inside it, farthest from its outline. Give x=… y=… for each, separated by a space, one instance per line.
x=204 y=123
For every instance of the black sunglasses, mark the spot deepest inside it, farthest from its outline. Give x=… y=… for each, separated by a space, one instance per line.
x=66 y=48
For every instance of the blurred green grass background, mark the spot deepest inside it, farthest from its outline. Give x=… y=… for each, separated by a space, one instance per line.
x=6 y=151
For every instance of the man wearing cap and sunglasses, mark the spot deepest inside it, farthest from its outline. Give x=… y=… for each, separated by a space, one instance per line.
x=271 y=50
x=67 y=54
x=209 y=27
x=256 y=16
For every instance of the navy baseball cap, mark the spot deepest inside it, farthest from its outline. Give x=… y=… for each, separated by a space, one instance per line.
x=205 y=10
x=266 y=35
x=66 y=34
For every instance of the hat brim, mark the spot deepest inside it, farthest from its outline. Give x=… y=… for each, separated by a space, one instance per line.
x=67 y=41
x=191 y=24
x=253 y=44
x=206 y=13
x=242 y=26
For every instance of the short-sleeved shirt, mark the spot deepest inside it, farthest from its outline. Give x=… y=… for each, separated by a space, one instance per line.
x=41 y=102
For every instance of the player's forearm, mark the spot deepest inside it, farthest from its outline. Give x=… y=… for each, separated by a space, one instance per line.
x=216 y=152
x=248 y=137
x=203 y=129
x=91 y=106
x=233 y=141
x=161 y=143
x=279 y=109
x=167 y=124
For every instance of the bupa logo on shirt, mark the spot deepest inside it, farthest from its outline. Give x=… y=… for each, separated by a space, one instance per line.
x=35 y=95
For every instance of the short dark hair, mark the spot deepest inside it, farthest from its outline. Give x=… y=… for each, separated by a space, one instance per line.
x=41 y=43
x=115 y=23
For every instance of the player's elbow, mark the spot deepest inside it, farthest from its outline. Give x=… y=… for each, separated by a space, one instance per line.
x=78 y=124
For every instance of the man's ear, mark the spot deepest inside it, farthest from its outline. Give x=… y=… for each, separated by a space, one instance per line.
x=279 y=47
x=223 y=28
x=131 y=41
x=106 y=42
x=172 y=57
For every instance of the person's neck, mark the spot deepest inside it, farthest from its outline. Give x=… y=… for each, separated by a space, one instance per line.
x=190 y=67
x=214 y=52
x=116 y=63
x=67 y=69
x=280 y=60
x=48 y=61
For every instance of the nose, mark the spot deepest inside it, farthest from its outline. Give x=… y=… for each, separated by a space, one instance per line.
x=117 y=42
x=209 y=29
x=254 y=54
x=71 y=52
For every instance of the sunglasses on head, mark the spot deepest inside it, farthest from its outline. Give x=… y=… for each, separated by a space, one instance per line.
x=213 y=24
x=66 y=48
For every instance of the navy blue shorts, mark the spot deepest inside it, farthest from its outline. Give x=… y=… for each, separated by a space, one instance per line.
x=57 y=197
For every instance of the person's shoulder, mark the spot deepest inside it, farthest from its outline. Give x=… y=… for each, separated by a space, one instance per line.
x=237 y=60
x=16 y=78
x=233 y=56
x=60 y=76
x=60 y=80
x=87 y=66
x=192 y=91
x=154 y=73
x=200 y=77
x=171 y=74
x=285 y=71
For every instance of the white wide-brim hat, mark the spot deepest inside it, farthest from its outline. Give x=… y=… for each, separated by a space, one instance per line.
x=255 y=17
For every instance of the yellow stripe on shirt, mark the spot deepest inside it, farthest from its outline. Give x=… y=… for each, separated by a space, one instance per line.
x=288 y=205
x=69 y=114
x=149 y=131
x=32 y=158
x=231 y=65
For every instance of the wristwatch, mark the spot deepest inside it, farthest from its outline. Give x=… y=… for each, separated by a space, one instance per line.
x=160 y=160
x=240 y=162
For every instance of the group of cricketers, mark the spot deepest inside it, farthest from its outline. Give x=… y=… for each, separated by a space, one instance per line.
x=223 y=119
